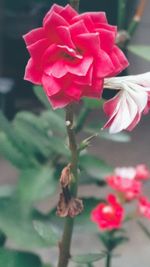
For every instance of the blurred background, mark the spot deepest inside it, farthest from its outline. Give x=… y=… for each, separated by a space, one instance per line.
x=17 y=17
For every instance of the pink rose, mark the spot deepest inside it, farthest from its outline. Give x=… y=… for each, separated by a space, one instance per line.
x=71 y=54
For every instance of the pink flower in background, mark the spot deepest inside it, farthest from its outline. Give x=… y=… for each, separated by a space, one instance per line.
x=124 y=180
x=126 y=108
x=142 y=172
x=108 y=215
x=144 y=207
x=71 y=54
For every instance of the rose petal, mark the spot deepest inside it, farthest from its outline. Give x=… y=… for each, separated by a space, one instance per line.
x=73 y=91
x=107 y=40
x=84 y=80
x=68 y=13
x=89 y=43
x=103 y=66
x=55 y=8
x=122 y=60
x=53 y=21
x=87 y=20
x=77 y=28
x=60 y=100
x=37 y=49
x=34 y=36
x=65 y=36
x=50 y=85
x=33 y=73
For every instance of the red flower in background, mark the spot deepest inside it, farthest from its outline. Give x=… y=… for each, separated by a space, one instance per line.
x=142 y=172
x=71 y=54
x=108 y=216
x=144 y=207
x=124 y=180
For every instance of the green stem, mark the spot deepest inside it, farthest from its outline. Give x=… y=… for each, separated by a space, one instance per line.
x=137 y=17
x=121 y=13
x=108 y=260
x=89 y=265
x=65 y=244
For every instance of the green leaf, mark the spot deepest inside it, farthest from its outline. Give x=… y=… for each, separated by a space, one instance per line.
x=39 y=92
x=119 y=137
x=87 y=258
x=15 y=143
x=36 y=141
x=33 y=141
x=144 y=229
x=12 y=258
x=31 y=118
x=142 y=51
x=53 y=121
x=94 y=167
x=112 y=239
x=7 y=190
x=48 y=120
x=10 y=152
x=93 y=103
x=36 y=184
x=18 y=226
x=58 y=145
x=48 y=232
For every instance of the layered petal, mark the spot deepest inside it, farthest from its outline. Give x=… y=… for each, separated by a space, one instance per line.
x=34 y=36
x=71 y=54
x=33 y=73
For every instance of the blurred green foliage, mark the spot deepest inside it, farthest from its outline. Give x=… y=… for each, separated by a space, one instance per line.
x=36 y=145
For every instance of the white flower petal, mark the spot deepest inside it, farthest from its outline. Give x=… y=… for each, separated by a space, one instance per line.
x=126 y=108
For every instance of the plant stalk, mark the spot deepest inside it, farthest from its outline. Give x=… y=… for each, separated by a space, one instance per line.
x=65 y=244
x=108 y=260
x=121 y=13
x=137 y=17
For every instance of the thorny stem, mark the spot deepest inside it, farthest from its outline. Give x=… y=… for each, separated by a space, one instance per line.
x=64 y=247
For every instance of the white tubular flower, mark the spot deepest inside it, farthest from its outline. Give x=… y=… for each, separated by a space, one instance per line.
x=133 y=99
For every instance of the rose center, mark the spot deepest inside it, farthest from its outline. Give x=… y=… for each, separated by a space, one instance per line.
x=108 y=213
x=71 y=58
